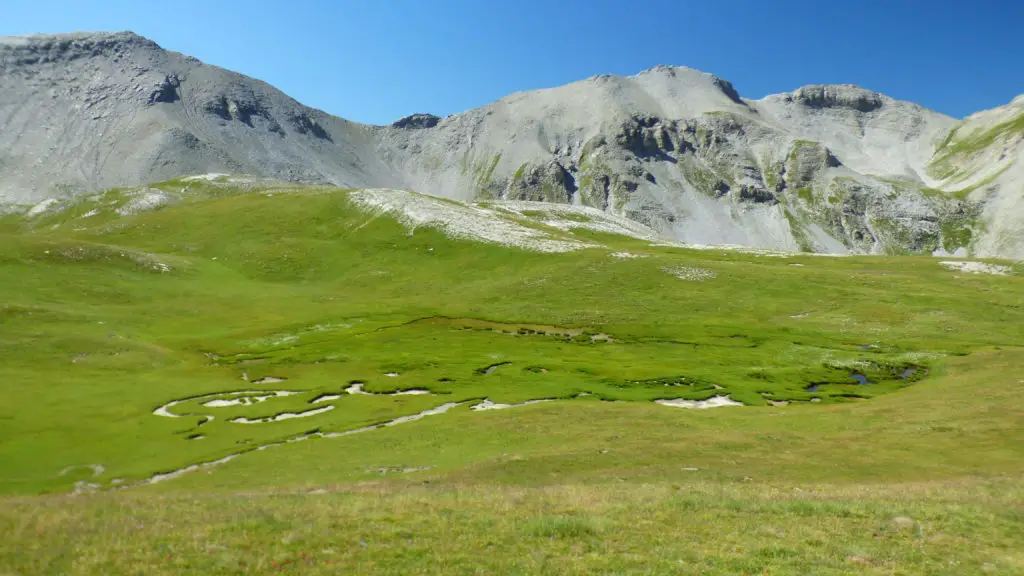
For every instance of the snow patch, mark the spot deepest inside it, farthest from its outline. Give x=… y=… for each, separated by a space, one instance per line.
x=283 y=416
x=488 y=405
x=326 y=398
x=218 y=400
x=357 y=388
x=240 y=401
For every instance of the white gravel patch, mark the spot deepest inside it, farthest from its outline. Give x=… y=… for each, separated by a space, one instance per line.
x=977 y=268
x=42 y=207
x=144 y=201
x=204 y=177
x=571 y=217
x=690 y=273
x=97 y=469
x=458 y=220
x=627 y=255
x=713 y=402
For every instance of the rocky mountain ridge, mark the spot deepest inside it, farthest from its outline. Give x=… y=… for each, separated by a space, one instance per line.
x=832 y=168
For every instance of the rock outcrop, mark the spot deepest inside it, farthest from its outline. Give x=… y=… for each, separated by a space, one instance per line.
x=824 y=168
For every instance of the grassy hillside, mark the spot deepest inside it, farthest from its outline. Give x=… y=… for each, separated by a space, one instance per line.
x=881 y=431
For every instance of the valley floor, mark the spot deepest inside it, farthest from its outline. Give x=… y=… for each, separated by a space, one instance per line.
x=923 y=481
x=231 y=385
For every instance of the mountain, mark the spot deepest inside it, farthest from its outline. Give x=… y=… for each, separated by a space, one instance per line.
x=824 y=168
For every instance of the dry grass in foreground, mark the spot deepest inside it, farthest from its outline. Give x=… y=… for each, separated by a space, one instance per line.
x=962 y=527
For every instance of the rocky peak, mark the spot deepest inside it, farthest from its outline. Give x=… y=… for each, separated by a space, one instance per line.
x=692 y=74
x=417 y=121
x=41 y=48
x=672 y=70
x=837 y=96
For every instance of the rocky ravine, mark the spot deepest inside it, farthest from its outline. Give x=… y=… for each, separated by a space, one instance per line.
x=824 y=168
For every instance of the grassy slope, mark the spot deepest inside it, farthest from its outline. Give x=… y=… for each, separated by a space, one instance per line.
x=94 y=337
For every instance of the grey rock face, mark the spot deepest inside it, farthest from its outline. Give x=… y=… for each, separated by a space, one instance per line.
x=842 y=96
x=418 y=121
x=81 y=112
x=823 y=168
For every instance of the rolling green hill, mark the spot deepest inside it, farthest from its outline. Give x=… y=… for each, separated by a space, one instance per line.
x=226 y=377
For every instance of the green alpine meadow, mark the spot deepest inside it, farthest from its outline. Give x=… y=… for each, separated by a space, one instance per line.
x=222 y=375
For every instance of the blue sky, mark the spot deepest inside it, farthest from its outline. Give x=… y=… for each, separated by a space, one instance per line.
x=376 y=61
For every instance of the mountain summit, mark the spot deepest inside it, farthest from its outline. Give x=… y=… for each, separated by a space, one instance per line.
x=833 y=168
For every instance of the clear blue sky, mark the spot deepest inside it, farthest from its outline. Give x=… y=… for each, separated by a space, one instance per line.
x=375 y=61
